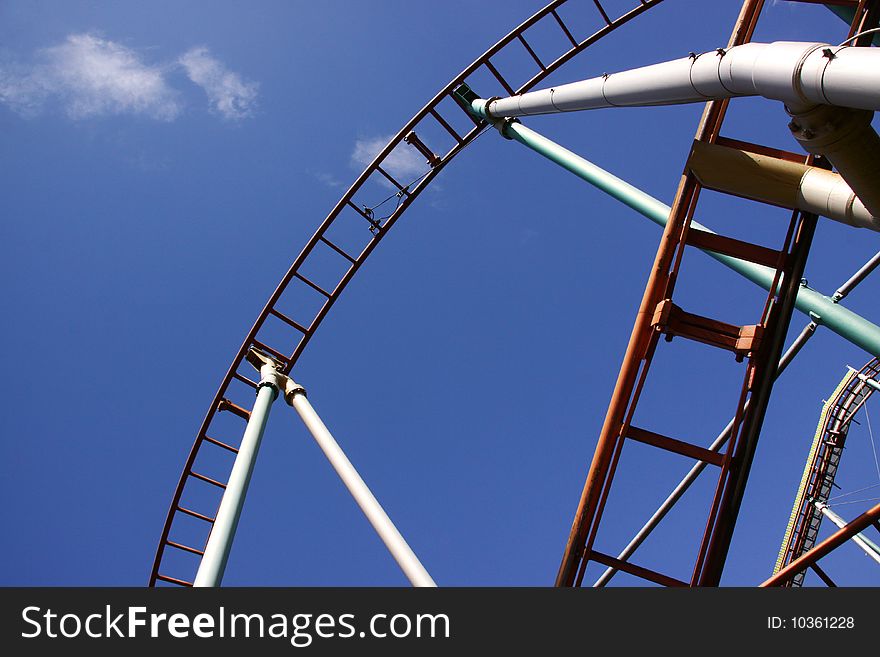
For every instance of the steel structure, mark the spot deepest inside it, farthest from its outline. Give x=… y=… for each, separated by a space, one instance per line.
x=759 y=345
x=823 y=459
x=348 y=208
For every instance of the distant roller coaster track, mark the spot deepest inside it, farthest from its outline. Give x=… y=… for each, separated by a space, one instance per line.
x=822 y=463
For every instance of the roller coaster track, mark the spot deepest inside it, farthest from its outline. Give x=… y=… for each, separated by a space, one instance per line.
x=822 y=463
x=432 y=117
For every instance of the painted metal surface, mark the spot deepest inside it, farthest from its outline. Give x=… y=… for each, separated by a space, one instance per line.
x=432 y=115
x=580 y=549
x=822 y=462
x=820 y=308
x=779 y=181
x=213 y=562
x=838 y=538
x=398 y=547
x=870 y=547
x=798 y=74
x=378 y=228
x=686 y=482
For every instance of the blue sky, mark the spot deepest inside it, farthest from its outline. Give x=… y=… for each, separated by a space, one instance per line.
x=162 y=165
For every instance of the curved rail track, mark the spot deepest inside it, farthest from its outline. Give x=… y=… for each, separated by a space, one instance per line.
x=822 y=462
x=433 y=117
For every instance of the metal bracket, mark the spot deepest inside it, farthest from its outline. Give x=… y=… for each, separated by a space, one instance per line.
x=271 y=376
x=268 y=369
x=291 y=390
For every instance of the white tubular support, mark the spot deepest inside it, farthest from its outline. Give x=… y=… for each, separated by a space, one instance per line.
x=407 y=560
x=799 y=74
x=868 y=546
x=814 y=80
x=779 y=182
x=825 y=193
x=213 y=563
x=849 y=142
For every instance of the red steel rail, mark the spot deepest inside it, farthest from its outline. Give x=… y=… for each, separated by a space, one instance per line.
x=659 y=316
x=760 y=344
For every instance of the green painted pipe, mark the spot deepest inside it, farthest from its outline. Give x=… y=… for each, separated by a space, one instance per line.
x=821 y=309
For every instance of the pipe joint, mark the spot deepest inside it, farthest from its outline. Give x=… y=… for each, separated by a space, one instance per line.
x=821 y=128
x=292 y=389
x=272 y=378
x=846 y=138
x=501 y=125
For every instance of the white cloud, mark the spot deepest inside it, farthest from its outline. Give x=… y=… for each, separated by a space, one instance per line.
x=228 y=94
x=404 y=163
x=327 y=179
x=89 y=76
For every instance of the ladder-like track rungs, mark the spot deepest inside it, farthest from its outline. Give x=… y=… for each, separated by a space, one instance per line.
x=494 y=71
x=244 y=379
x=173 y=580
x=195 y=514
x=207 y=480
x=220 y=443
x=632 y=569
x=735 y=248
x=564 y=28
x=338 y=250
x=266 y=349
x=231 y=407
x=673 y=321
x=531 y=52
x=185 y=548
x=317 y=288
x=673 y=445
x=292 y=322
x=392 y=180
x=602 y=11
x=457 y=137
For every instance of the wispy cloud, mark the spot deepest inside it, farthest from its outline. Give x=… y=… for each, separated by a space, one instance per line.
x=328 y=179
x=229 y=95
x=404 y=162
x=89 y=76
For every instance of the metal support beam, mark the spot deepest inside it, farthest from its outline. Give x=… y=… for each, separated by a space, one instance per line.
x=873 y=383
x=821 y=309
x=698 y=468
x=213 y=563
x=869 y=546
x=409 y=563
x=676 y=494
x=835 y=540
x=847 y=15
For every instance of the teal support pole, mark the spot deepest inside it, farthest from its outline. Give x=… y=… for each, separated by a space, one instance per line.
x=213 y=563
x=819 y=308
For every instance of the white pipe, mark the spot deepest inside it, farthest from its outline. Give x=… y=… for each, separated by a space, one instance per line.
x=814 y=80
x=846 y=138
x=407 y=560
x=779 y=182
x=799 y=74
x=870 y=548
x=213 y=563
x=826 y=193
